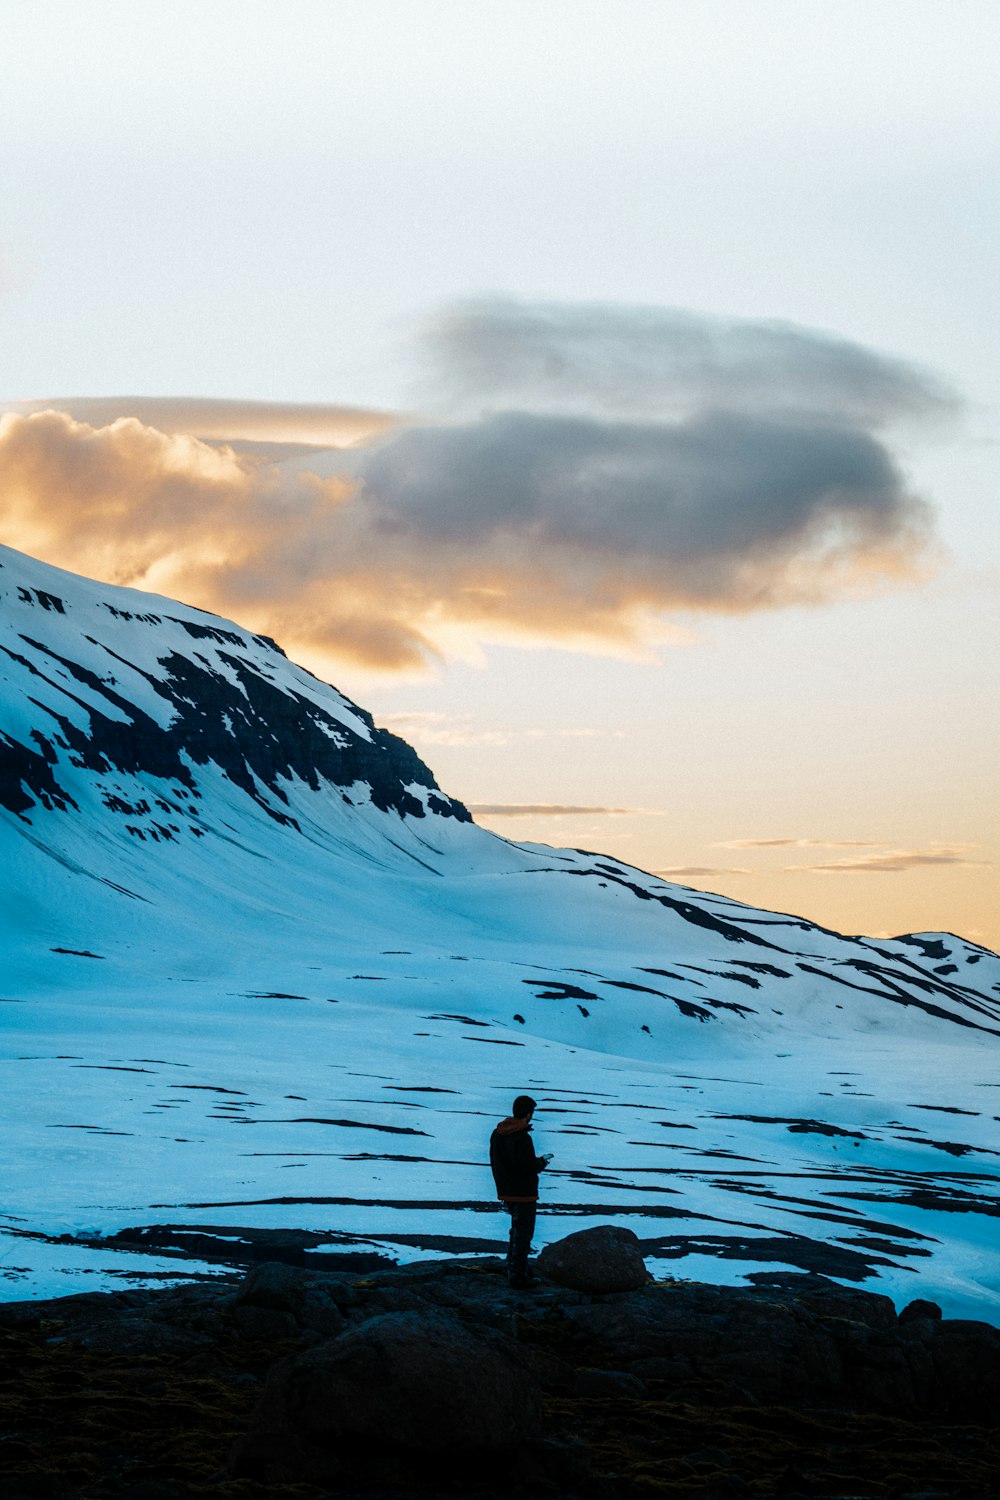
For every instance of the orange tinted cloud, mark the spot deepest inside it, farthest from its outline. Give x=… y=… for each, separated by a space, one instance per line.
x=132 y=505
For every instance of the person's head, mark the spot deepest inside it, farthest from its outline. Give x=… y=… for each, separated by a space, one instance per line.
x=523 y=1107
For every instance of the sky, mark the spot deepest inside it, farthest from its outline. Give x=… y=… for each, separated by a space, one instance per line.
x=603 y=394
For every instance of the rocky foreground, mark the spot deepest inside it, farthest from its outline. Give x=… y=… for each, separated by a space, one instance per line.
x=435 y=1379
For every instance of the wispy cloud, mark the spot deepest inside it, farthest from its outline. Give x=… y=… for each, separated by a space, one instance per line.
x=897 y=861
x=881 y=859
x=547 y=810
x=431 y=728
x=443 y=729
x=675 y=872
x=797 y=844
x=272 y=423
x=598 y=470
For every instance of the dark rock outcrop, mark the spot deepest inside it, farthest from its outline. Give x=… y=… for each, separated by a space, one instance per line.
x=437 y=1378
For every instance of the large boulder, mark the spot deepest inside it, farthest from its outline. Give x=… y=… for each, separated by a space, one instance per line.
x=414 y=1382
x=604 y=1259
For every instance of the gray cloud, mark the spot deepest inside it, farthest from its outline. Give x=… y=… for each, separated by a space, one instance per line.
x=658 y=361
x=719 y=511
x=698 y=871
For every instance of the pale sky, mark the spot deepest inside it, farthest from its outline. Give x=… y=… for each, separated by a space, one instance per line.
x=663 y=336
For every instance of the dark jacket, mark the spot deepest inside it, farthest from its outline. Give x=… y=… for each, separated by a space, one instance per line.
x=514 y=1163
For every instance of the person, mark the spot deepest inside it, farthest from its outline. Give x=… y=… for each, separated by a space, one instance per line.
x=515 y=1171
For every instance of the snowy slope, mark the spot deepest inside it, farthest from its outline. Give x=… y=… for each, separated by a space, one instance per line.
x=260 y=971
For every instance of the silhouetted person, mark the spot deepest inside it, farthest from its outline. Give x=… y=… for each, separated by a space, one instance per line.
x=515 y=1172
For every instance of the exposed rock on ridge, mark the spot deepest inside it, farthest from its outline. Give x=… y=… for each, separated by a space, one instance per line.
x=230 y=697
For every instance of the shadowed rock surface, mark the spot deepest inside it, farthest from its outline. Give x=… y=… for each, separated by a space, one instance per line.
x=436 y=1379
x=411 y=1383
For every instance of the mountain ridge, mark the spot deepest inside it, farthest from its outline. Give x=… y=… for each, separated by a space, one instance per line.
x=228 y=889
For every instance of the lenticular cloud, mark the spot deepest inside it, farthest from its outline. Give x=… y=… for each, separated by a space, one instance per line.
x=587 y=473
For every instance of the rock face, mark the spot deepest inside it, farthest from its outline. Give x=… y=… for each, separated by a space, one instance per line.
x=123 y=690
x=421 y=1381
x=598 y=1260
x=418 y=1381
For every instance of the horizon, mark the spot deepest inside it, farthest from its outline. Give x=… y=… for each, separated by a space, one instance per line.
x=602 y=399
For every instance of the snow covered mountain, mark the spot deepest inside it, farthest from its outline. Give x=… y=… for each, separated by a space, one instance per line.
x=244 y=932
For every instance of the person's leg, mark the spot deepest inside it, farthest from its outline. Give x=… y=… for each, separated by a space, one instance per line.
x=522 y=1227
